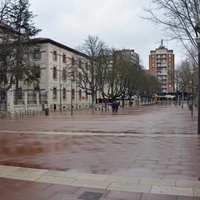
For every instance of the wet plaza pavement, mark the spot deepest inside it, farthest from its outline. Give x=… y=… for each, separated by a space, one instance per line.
x=149 y=152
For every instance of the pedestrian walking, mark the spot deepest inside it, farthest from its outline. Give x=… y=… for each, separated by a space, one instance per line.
x=117 y=106
x=113 y=106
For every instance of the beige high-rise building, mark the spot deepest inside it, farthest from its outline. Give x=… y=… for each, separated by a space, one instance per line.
x=130 y=54
x=161 y=65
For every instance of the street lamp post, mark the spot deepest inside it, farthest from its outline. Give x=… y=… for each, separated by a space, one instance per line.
x=192 y=72
x=60 y=97
x=198 y=45
x=71 y=96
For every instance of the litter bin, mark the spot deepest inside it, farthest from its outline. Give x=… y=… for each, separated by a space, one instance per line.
x=46 y=111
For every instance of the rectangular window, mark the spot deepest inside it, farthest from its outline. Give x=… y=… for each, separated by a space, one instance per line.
x=54 y=93
x=80 y=77
x=34 y=96
x=64 y=58
x=54 y=72
x=72 y=75
x=79 y=63
x=73 y=61
x=64 y=93
x=37 y=72
x=64 y=75
x=55 y=55
x=20 y=93
x=80 y=94
x=2 y=96
x=36 y=54
x=73 y=94
x=86 y=66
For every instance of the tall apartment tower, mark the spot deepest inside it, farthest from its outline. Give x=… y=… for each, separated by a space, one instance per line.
x=161 y=65
x=130 y=54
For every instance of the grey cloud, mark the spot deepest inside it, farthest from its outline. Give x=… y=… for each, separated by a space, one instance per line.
x=116 y=22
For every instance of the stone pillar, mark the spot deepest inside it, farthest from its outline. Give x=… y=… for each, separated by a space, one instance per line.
x=37 y=101
x=10 y=101
x=25 y=101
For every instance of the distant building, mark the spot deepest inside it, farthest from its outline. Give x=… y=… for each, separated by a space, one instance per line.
x=130 y=54
x=161 y=65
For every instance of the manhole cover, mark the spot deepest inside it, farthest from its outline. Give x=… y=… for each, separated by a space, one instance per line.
x=90 y=196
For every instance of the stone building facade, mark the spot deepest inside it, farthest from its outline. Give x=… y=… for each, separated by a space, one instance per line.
x=54 y=88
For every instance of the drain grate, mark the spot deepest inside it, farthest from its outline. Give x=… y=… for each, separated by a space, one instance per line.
x=90 y=196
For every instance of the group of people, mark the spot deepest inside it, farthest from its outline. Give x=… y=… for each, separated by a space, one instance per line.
x=115 y=106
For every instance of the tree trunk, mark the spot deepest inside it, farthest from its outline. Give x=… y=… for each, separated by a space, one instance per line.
x=93 y=96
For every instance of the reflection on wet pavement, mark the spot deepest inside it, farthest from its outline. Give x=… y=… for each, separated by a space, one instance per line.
x=151 y=156
x=168 y=119
x=166 y=146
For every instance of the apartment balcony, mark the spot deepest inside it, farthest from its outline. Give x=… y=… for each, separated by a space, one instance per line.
x=163 y=82
x=163 y=65
x=161 y=72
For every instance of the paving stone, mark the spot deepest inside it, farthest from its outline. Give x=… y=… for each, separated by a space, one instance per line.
x=62 y=188
x=124 y=195
x=126 y=179
x=158 y=197
x=188 y=183
x=55 y=180
x=172 y=190
x=61 y=174
x=98 y=177
x=90 y=183
x=197 y=192
x=158 y=181
x=129 y=187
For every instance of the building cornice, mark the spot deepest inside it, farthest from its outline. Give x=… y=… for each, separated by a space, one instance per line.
x=48 y=40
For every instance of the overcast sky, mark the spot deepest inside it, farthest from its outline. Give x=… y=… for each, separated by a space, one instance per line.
x=116 y=22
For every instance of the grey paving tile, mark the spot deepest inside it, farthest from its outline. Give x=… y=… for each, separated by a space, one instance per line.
x=126 y=179
x=158 y=181
x=97 y=177
x=124 y=195
x=63 y=196
x=196 y=192
x=90 y=183
x=61 y=174
x=188 y=183
x=23 y=176
x=172 y=190
x=129 y=187
x=55 y=180
x=158 y=197
x=188 y=198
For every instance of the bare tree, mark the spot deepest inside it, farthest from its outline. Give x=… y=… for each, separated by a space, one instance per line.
x=183 y=75
x=5 y=9
x=114 y=76
x=90 y=71
x=179 y=18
